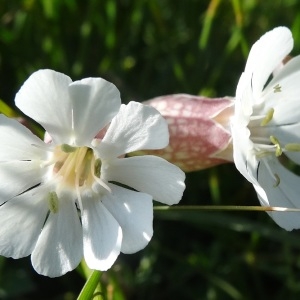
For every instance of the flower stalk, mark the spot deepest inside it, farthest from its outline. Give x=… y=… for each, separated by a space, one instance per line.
x=92 y=287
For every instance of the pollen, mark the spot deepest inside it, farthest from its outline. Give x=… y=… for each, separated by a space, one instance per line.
x=75 y=166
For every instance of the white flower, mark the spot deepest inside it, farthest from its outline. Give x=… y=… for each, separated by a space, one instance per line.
x=69 y=198
x=266 y=124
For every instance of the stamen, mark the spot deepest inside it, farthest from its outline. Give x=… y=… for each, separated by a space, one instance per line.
x=256 y=117
x=260 y=140
x=262 y=150
x=46 y=164
x=67 y=168
x=78 y=166
x=83 y=166
x=96 y=172
x=275 y=141
x=268 y=117
x=102 y=183
x=53 y=202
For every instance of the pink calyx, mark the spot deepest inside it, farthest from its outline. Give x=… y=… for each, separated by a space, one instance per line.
x=199 y=130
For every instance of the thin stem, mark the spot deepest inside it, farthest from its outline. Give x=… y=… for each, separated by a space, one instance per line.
x=226 y=207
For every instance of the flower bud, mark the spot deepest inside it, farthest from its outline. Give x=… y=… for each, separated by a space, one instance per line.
x=199 y=130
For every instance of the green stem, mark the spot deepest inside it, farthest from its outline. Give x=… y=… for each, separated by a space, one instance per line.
x=89 y=289
x=226 y=207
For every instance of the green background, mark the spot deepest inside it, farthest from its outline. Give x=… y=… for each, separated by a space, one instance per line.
x=147 y=49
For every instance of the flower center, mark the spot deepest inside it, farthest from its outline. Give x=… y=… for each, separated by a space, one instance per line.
x=76 y=166
x=264 y=142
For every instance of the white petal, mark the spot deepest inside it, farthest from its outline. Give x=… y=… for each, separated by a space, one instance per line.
x=18 y=142
x=44 y=97
x=244 y=99
x=286 y=194
x=286 y=101
x=17 y=177
x=135 y=127
x=294 y=156
x=149 y=174
x=243 y=156
x=288 y=70
x=21 y=221
x=95 y=102
x=134 y=213
x=266 y=54
x=59 y=246
x=287 y=135
x=102 y=235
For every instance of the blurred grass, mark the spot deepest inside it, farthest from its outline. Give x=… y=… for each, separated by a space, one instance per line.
x=148 y=49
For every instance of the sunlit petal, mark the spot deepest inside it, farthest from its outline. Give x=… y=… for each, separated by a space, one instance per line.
x=21 y=221
x=134 y=213
x=148 y=174
x=102 y=235
x=44 y=97
x=18 y=143
x=278 y=42
x=135 y=127
x=59 y=247
x=95 y=102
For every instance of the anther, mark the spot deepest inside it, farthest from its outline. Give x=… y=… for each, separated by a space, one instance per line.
x=53 y=202
x=277 y=88
x=275 y=141
x=277 y=180
x=268 y=117
x=97 y=167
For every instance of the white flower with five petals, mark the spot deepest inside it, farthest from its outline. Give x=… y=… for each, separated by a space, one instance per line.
x=266 y=124
x=78 y=196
